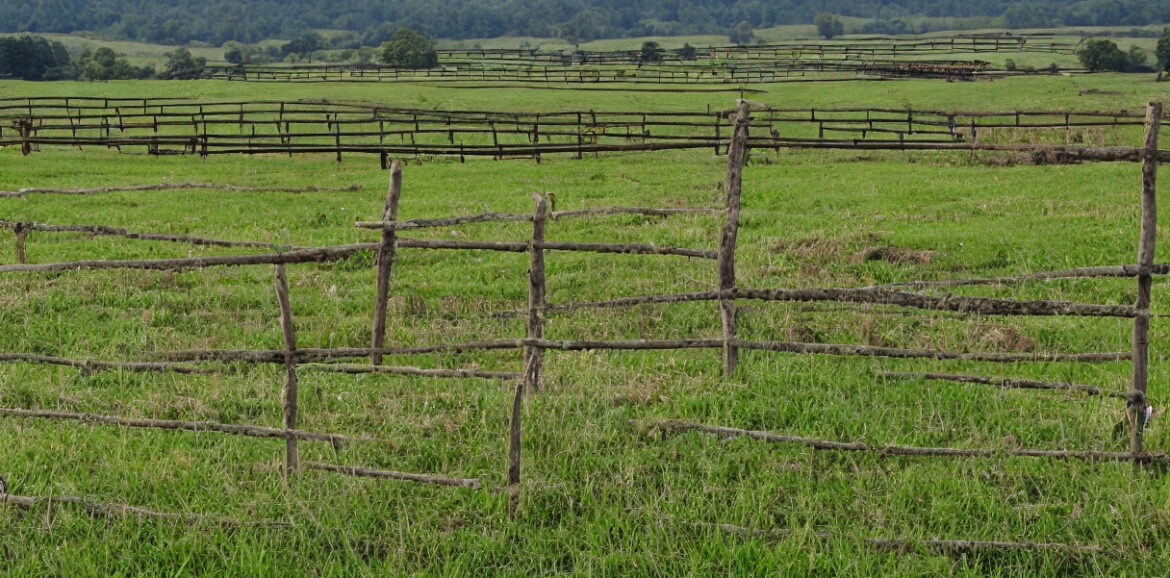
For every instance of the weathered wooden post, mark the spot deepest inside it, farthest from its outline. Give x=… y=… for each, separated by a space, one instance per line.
x=386 y=254
x=288 y=395
x=1141 y=322
x=514 y=437
x=537 y=291
x=21 y=231
x=718 y=122
x=533 y=355
x=736 y=155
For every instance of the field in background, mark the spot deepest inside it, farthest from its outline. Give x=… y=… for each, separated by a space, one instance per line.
x=600 y=496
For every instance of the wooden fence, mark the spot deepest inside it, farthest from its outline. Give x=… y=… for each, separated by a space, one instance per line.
x=852 y=48
x=764 y=63
x=535 y=343
x=714 y=72
x=177 y=126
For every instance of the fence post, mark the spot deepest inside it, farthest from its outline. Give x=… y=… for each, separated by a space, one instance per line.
x=20 y=232
x=385 y=260
x=580 y=137
x=514 y=437
x=718 y=122
x=1136 y=406
x=534 y=356
x=288 y=395
x=736 y=155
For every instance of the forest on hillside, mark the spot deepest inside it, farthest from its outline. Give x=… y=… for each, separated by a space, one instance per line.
x=372 y=21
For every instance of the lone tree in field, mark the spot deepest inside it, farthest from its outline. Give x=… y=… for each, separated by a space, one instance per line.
x=1101 y=54
x=651 y=52
x=409 y=49
x=182 y=65
x=828 y=25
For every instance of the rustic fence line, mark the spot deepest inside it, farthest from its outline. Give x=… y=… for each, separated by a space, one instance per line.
x=275 y=127
x=718 y=72
x=776 y=62
x=1005 y=383
x=173 y=186
x=911 y=451
x=112 y=510
x=879 y=46
x=534 y=343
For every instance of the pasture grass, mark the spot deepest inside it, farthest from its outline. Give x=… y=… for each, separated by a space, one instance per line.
x=601 y=495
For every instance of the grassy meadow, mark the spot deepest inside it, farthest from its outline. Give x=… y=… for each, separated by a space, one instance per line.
x=600 y=495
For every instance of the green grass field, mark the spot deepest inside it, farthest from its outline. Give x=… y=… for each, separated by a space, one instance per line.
x=600 y=496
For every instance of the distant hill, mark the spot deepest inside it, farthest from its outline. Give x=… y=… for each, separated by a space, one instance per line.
x=371 y=21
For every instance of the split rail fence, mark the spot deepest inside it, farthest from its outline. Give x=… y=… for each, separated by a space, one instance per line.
x=535 y=343
x=736 y=73
x=852 y=48
x=178 y=126
x=765 y=63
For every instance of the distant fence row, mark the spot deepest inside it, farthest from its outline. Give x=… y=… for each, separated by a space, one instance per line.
x=728 y=72
x=872 y=58
x=844 y=49
x=178 y=126
x=535 y=343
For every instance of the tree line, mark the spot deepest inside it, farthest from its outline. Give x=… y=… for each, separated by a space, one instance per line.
x=372 y=22
x=31 y=57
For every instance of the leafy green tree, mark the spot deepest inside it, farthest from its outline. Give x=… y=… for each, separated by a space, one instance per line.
x=828 y=25
x=1138 y=59
x=181 y=65
x=304 y=45
x=1100 y=54
x=687 y=52
x=1162 y=52
x=34 y=58
x=742 y=34
x=105 y=64
x=651 y=52
x=409 y=49
x=234 y=55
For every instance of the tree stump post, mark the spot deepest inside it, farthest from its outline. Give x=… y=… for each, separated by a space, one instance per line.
x=385 y=260
x=1136 y=406
x=735 y=160
x=537 y=290
x=288 y=395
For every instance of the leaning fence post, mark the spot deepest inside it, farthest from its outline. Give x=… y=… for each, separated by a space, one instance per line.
x=537 y=290
x=386 y=259
x=533 y=355
x=735 y=161
x=1141 y=322
x=288 y=395
x=514 y=436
